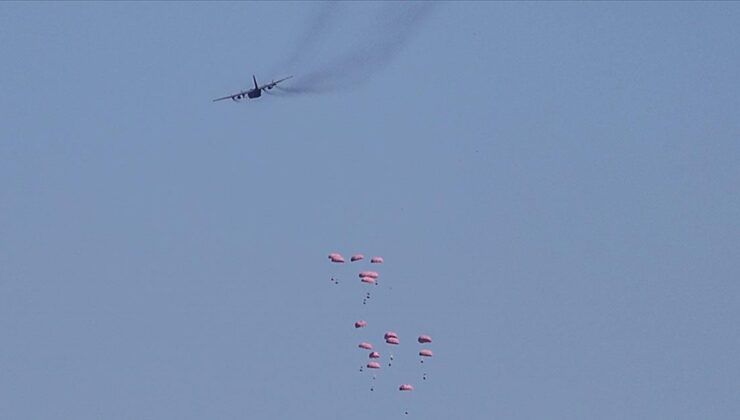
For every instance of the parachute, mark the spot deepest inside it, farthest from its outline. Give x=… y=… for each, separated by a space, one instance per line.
x=336 y=258
x=374 y=359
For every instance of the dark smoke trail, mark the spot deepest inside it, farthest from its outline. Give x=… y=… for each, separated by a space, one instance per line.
x=395 y=23
x=318 y=27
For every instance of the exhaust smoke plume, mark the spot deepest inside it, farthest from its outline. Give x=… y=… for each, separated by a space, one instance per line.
x=319 y=66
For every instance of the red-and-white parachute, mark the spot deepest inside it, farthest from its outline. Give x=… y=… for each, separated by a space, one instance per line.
x=336 y=257
x=425 y=353
x=368 y=280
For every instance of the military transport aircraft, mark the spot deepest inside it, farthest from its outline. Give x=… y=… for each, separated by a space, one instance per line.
x=255 y=92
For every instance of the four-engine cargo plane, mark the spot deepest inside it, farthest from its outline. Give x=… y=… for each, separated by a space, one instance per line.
x=255 y=92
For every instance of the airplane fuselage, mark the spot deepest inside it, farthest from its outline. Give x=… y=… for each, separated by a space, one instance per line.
x=251 y=94
x=255 y=92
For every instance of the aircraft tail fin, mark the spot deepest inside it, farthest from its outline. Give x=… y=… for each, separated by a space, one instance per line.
x=256 y=86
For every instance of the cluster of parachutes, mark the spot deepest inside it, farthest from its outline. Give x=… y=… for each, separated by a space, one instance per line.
x=338 y=258
x=391 y=338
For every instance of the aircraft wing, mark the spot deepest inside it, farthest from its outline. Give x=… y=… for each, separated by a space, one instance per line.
x=274 y=83
x=228 y=97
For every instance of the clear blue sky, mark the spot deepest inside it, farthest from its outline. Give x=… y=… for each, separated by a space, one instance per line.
x=555 y=188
